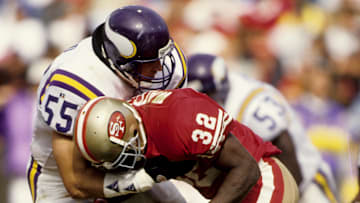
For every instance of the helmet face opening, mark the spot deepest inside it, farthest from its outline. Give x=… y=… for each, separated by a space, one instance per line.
x=150 y=74
x=130 y=155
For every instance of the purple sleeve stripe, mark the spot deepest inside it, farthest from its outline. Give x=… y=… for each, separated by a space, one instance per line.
x=72 y=83
x=70 y=88
x=45 y=85
x=81 y=81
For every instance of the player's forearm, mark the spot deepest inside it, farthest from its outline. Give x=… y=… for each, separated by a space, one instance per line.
x=91 y=182
x=108 y=185
x=292 y=165
x=237 y=183
x=79 y=178
x=83 y=180
x=88 y=183
x=288 y=156
x=242 y=171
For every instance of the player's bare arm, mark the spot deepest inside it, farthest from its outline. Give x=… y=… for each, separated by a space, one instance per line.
x=80 y=179
x=83 y=181
x=243 y=171
x=288 y=155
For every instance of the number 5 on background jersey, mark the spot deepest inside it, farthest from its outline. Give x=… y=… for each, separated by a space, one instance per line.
x=267 y=115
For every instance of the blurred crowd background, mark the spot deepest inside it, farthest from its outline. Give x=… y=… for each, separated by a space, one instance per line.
x=308 y=49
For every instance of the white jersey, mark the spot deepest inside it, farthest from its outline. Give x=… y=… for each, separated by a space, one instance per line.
x=264 y=110
x=74 y=77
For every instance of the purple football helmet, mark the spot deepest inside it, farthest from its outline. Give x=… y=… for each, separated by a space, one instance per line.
x=208 y=74
x=135 y=35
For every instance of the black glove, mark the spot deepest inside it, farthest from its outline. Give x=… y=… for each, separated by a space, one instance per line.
x=160 y=168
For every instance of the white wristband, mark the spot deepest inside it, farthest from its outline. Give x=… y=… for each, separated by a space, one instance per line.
x=117 y=184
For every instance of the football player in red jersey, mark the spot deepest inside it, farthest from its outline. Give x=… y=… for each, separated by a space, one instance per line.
x=185 y=135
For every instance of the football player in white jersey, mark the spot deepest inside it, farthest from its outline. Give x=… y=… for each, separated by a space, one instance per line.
x=129 y=53
x=263 y=109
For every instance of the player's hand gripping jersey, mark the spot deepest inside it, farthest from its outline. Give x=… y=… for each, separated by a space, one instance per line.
x=186 y=125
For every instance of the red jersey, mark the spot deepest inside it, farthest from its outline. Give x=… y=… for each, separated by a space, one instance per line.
x=183 y=124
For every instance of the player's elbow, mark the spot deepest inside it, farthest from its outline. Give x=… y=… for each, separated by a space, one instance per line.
x=253 y=173
x=250 y=178
x=243 y=182
x=75 y=189
x=77 y=194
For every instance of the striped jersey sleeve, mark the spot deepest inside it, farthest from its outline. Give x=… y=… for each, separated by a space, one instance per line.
x=60 y=97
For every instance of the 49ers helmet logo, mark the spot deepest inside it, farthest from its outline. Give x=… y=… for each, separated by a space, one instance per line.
x=116 y=126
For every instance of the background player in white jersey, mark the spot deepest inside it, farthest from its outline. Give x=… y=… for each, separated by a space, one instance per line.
x=130 y=53
x=262 y=108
